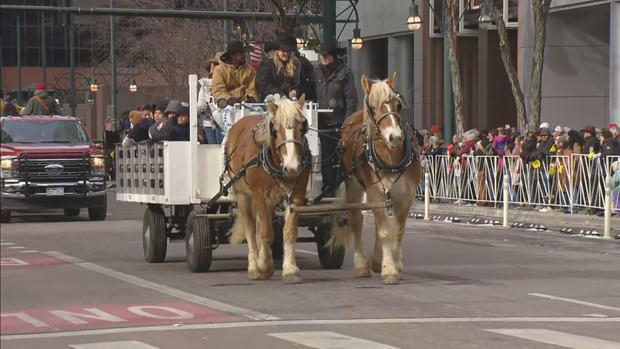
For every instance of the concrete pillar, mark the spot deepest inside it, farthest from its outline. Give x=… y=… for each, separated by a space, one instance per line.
x=614 y=62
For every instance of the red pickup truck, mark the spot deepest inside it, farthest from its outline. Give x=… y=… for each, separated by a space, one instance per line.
x=49 y=162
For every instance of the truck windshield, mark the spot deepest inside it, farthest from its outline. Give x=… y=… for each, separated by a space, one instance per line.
x=66 y=131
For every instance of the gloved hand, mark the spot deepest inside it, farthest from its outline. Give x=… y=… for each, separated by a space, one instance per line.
x=233 y=100
x=221 y=103
x=250 y=99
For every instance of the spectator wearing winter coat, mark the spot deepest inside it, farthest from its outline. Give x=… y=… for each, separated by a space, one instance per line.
x=500 y=142
x=609 y=145
x=163 y=129
x=285 y=72
x=233 y=80
x=140 y=124
x=592 y=144
x=41 y=103
x=575 y=142
x=546 y=146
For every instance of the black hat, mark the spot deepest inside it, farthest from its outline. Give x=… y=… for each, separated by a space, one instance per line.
x=234 y=46
x=161 y=105
x=183 y=108
x=330 y=47
x=286 y=42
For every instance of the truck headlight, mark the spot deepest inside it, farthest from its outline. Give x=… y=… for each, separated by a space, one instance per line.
x=97 y=165
x=7 y=167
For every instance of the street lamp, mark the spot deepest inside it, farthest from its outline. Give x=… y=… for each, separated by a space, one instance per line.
x=93 y=85
x=485 y=15
x=357 y=42
x=301 y=43
x=132 y=86
x=414 y=21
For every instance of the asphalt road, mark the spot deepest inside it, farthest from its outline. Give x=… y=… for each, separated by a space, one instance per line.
x=80 y=284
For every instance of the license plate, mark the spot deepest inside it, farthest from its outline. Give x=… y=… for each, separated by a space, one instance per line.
x=55 y=191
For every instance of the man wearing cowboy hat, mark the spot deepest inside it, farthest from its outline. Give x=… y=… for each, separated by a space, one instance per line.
x=336 y=91
x=234 y=81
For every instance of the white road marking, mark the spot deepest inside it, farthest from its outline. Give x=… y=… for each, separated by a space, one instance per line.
x=134 y=280
x=29 y=251
x=563 y=339
x=6 y=243
x=247 y=324
x=16 y=247
x=595 y=315
x=114 y=345
x=575 y=301
x=308 y=252
x=328 y=340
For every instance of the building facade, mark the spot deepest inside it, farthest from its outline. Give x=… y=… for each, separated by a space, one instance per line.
x=580 y=75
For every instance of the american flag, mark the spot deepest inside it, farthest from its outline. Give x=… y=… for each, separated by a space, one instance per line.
x=256 y=54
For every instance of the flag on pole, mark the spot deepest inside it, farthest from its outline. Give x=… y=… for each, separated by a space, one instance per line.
x=256 y=54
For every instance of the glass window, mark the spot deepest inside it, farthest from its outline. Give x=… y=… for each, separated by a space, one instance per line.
x=66 y=131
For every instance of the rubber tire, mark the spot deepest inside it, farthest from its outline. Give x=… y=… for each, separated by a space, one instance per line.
x=329 y=259
x=72 y=212
x=277 y=246
x=154 y=243
x=5 y=216
x=198 y=242
x=98 y=213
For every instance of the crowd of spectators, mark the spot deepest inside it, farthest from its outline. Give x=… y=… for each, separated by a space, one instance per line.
x=530 y=146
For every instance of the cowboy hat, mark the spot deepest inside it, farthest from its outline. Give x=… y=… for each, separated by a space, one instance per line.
x=234 y=46
x=330 y=47
x=287 y=43
x=216 y=58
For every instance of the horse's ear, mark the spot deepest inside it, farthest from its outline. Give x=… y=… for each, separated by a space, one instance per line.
x=302 y=100
x=366 y=84
x=392 y=81
x=272 y=108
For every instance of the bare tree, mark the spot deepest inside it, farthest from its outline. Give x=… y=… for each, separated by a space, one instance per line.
x=451 y=27
x=540 y=10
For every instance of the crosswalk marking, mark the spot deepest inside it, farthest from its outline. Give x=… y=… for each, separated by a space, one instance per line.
x=563 y=339
x=328 y=340
x=574 y=301
x=114 y=345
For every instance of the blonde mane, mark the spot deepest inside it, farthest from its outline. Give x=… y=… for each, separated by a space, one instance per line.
x=288 y=112
x=380 y=93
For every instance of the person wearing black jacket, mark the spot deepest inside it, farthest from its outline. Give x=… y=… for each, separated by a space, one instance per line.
x=592 y=144
x=336 y=91
x=285 y=72
x=546 y=146
x=609 y=145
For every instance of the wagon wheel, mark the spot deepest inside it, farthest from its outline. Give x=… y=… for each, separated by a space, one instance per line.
x=277 y=246
x=154 y=242
x=198 y=242
x=329 y=258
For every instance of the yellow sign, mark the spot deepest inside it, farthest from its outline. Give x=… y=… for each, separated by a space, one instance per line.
x=553 y=149
x=536 y=163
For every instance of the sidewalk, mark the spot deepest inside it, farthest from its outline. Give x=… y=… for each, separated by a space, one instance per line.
x=550 y=219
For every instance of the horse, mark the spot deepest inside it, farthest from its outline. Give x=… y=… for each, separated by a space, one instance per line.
x=380 y=159
x=274 y=154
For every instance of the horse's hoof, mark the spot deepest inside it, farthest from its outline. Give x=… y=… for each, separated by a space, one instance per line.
x=391 y=279
x=375 y=266
x=291 y=279
x=362 y=272
x=254 y=274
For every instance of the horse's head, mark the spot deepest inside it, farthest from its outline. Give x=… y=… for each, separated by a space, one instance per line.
x=287 y=131
x=382 y=107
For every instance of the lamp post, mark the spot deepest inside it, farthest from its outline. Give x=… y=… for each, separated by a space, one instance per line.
x=132 y=86
x=113 y=68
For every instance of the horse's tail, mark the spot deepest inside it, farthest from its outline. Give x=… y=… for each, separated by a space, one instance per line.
x=238 y=233
x=341 y=232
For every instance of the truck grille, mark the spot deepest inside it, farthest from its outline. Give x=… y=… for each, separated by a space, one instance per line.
x=44 y=170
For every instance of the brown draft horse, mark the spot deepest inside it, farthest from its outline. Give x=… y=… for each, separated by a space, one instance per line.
x=379 y=159
x=275 y=151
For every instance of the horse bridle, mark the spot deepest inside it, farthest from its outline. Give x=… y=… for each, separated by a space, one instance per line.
x=377 y=122
x=267 y=160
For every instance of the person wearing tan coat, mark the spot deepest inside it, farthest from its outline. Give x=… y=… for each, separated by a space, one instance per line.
x=234 y=81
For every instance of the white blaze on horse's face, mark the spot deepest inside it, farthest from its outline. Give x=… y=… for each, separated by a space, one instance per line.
x=391 y=131
x=290 y=160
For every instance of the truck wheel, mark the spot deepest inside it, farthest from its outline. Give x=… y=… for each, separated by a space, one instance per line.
x=98 y=213
x=198 y=241
x=72 y=212
x=5 y=216
x=277 y=246
x=154 y=242
x=330 y=259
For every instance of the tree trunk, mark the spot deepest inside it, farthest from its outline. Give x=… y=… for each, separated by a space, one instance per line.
x=452 y=17
x=540 y=10
x=511 y=71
